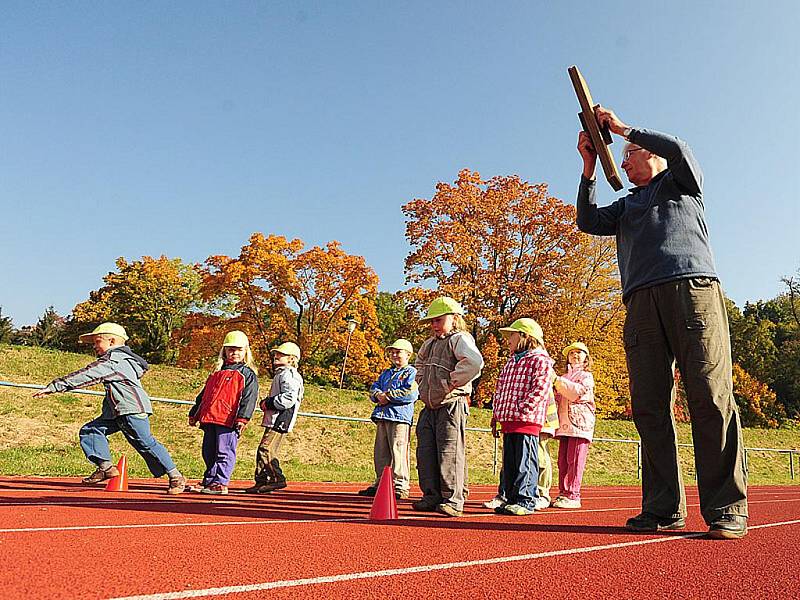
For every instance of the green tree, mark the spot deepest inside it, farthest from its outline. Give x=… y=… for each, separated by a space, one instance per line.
x=48 y=331
x=392 y=317
x=6 y=328
x=150 y=297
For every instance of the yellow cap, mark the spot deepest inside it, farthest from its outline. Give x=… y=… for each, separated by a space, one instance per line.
x=402 y=344
x=575 y=346
x=236 y=338
x=288 y=348
x=108 y=329
x=443 y=306
x=527 y=326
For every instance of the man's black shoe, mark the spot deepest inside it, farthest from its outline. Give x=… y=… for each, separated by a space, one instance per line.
x=728 y=527
x=650 y=523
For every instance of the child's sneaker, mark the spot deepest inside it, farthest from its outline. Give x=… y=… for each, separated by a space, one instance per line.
x=517 y=510
x=563 y=502
x=541 y=503
x=496 y=502
x=424 y=506
x=176 y=485
x=101 y=475
x=215 y=489
x=271 y=487
x=448 y=510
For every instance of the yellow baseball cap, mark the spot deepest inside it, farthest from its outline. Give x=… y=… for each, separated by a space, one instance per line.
x=288 y=348
x=108 y=329
x=236 y=338
x=402 y=344
x=575 y=346
x=443 y=305
x=527 y=326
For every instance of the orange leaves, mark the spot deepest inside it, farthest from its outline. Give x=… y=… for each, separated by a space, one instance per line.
x=506 y=249
x=757 y=402
x=276 y=292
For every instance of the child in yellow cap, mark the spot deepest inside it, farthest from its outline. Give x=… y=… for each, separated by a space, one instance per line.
x=394 y=394
x=223 y=408
x=447 y=363
x=280 y=413
x=126 y=407
x=522 y=394
x=576 y=408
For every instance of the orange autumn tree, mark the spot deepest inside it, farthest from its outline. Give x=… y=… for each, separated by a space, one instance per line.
x=590 y=309
x=332 y=286
x=274 y=292
x=506 y=249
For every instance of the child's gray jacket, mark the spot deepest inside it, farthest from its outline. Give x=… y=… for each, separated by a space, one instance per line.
x=119 y=370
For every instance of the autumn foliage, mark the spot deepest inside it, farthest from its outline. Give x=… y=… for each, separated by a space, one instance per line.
x=507 y=249
x=275 y=292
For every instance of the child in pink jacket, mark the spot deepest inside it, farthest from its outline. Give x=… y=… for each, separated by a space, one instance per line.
x=575 y=398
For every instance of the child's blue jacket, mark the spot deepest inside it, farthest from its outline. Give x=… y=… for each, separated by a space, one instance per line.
x=400 y=385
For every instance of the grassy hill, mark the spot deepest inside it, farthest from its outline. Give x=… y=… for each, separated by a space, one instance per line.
x=40 y=437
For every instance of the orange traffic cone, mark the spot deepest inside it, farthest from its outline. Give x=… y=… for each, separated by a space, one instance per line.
x=384 y=507
x=120 y=482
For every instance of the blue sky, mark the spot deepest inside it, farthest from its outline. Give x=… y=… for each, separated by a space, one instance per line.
x=180 y=128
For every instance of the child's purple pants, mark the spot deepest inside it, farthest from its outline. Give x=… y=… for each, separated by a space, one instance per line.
x=219 y=453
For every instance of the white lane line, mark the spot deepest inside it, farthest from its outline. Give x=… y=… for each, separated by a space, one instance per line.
x=271 y=585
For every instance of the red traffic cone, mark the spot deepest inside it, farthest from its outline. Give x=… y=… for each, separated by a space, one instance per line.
x=384 y=507
x=120 y=482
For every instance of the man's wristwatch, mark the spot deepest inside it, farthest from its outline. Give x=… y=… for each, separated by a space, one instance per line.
x=627 y=132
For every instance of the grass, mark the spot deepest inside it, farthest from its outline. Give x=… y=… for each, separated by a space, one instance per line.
x=40 y=437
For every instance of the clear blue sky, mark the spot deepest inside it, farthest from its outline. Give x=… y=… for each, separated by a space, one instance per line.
x=179 y=128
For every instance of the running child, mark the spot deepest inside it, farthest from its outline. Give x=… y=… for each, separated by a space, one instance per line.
x=520 y=406
x=126 y=407
x=223 y=408
x=394 y=394
x=280 y=413
x=447 y=363
x=575 y=397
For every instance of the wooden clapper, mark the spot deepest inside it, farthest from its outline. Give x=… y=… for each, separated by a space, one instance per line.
x=600 y=137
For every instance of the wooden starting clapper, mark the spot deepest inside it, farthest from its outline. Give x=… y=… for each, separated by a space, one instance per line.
x=601 y=137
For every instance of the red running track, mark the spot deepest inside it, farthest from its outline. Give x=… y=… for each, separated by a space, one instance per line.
x=59 y=539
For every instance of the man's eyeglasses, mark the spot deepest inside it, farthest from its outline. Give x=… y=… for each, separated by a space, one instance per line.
x=627 y=154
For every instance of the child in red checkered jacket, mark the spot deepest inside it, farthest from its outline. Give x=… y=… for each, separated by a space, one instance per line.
x=524 y=387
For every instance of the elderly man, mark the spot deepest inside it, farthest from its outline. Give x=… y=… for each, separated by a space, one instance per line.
x=675 y=314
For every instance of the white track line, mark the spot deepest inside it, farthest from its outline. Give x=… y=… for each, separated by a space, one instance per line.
x=271 y=585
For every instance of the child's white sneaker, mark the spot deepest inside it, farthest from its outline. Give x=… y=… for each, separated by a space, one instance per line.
x=541 y=503
x=562 y=502
x=496 y=502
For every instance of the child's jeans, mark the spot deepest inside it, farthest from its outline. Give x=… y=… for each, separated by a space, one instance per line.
x=219 y=453
x=520 y=468
x=136 y=429
x=572 y=452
